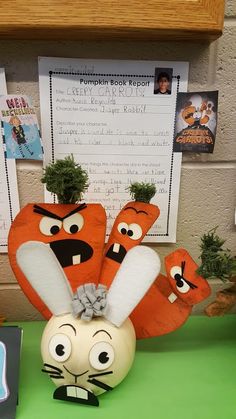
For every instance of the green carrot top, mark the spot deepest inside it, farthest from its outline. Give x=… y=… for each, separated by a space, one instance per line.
x=142 y=192
x=66 y=179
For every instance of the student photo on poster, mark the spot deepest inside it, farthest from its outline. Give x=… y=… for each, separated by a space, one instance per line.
x=163 y=81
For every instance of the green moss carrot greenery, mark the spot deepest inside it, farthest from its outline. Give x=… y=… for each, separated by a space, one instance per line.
x=66 y=179
x=142 y=192
x=217 y=262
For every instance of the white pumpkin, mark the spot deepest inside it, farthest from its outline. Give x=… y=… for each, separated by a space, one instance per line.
x=86 y=358
x=84 y=350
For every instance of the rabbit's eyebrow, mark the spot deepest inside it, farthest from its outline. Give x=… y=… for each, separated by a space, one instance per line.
x=68 y=324
x=102 y=330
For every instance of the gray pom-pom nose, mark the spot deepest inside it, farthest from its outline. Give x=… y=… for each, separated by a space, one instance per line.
x=89 y=301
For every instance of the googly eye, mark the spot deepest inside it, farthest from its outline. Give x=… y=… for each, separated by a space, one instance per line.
x=183 y=287
x=49 y=226
x=74 y=223
x=175 y=270
x=101 y=356
x=60 y=347
x=123 y=228
x=134 y=231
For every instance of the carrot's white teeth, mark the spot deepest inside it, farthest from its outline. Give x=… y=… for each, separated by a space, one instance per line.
x=76 y=259
x=116 y=248
x=172 y=297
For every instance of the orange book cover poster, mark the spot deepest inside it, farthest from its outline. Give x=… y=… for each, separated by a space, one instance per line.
x=196 y=121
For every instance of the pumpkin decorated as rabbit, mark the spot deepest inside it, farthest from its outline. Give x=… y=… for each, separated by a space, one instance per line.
x=88 y=345
x=99 y=304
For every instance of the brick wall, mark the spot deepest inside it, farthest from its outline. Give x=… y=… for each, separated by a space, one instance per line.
x=207 y=181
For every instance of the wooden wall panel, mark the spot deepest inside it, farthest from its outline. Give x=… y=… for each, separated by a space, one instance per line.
x=14 y=306
x=105 y=19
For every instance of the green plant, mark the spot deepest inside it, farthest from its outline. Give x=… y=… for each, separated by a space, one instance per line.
x=217 y=262
x=66 y=179
x=142 y=192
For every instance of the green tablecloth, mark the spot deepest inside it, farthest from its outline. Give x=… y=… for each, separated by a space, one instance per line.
x=189 y=374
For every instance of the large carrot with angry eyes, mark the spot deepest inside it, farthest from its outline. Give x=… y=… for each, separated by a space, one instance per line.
x=130 y=227
x=74 y=231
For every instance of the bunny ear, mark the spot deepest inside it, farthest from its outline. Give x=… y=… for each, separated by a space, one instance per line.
x=42 y=269
x=137 y=272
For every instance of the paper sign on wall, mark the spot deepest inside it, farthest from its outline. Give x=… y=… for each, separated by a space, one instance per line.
x=117 y=118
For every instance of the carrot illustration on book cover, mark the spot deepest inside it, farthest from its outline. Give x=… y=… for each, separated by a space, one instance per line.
x=196 y=122
x=130 y=226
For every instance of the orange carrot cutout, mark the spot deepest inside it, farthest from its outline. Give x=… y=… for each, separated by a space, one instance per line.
x=168 y=303
x=130 y=227
x=75 y=232
x=187 y=285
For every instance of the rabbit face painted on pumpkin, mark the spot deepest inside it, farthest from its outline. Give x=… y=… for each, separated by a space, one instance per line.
x=87 y=358
x=95 y=355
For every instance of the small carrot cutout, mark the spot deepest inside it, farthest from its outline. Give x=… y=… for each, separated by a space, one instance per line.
x=130 y=226
x=168 y=302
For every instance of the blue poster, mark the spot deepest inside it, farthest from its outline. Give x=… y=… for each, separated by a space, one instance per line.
x=20 y=129
x=4 y=391
x=10 y=347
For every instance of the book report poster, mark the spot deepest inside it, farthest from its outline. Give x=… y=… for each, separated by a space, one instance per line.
x=117 y=119
x=196 y=120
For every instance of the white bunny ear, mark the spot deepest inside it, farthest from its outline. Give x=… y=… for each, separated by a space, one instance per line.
x=42 y=269
x=137 y=272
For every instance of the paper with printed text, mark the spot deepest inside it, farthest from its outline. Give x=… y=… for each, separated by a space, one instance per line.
x=117 y=119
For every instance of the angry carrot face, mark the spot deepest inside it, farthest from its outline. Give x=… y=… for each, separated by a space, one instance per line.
x=186 y=284
x=168 y=303
x=75 y=233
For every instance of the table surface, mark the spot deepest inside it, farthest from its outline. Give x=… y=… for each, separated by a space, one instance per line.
x=190 y=374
